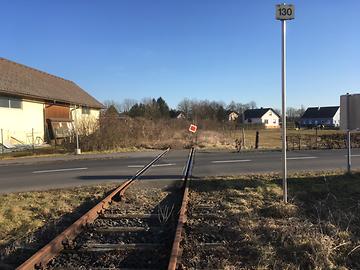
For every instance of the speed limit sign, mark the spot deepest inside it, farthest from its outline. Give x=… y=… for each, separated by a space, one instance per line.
x=285 y=12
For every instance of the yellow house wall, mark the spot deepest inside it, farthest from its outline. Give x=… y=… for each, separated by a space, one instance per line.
x=18 y=123
x=86 y=123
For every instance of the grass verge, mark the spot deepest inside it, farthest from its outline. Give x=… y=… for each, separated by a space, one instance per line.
x=318 y=229
x=31 y=219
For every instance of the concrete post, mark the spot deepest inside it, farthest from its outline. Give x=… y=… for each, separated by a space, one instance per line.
x=2 y=141
x=32 y=140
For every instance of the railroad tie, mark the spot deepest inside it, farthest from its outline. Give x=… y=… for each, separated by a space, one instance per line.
x=132 y=215
x=93 y=247
x=127 y=229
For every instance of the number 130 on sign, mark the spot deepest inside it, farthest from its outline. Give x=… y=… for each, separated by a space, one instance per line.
x=285 y=12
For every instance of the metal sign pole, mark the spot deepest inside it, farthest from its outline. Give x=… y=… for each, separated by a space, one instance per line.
x=284 y=161
x=283 y=13
x=348 y=133
x=348 y=151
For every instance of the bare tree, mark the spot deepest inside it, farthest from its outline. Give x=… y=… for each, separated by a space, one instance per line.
x=185 y=106
x=127 y=104
x=109 y=103
x=252 y=105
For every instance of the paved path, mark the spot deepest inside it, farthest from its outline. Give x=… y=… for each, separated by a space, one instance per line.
x=57 y=173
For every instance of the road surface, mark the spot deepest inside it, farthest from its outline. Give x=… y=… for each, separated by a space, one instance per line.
x=59 y=173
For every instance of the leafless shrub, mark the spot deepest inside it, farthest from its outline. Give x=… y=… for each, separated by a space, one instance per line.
x=114 y=132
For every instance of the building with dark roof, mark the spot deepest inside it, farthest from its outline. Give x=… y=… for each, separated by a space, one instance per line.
x=266 y=116
x=36 y=106
x=321 y=116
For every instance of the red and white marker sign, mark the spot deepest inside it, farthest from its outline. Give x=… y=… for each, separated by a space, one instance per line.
x=192 y=128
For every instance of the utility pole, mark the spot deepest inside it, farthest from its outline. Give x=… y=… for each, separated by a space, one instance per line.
x=284 y=12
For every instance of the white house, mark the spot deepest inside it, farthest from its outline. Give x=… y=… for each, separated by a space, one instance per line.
x=180 y=115
x=37 y=107
x=233 y=116
x=266 y=116
x=321 y=116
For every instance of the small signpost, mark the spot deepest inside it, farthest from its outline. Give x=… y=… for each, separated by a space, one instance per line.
x=349 y=119
x=193 y=128
x=284 y=12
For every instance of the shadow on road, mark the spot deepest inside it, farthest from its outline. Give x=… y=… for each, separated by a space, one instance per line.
x=123 y=177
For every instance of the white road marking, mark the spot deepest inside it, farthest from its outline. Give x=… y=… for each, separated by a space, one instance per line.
x=294 y=158
x=353 y=155
x=231 y=161
x=156 y=165
x=61 y=170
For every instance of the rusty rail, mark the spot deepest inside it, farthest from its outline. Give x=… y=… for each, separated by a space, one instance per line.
x=41 y=258
x=175 y=251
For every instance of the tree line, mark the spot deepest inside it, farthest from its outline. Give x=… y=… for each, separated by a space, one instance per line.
x=152 y=108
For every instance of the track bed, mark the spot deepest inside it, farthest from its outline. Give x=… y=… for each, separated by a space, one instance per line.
x=134 y=233
x=210 y=234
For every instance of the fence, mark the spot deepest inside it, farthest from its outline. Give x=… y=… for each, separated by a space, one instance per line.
x=325 y=141
x=15 y=140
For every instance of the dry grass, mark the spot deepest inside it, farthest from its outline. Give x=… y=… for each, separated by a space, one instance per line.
x=318 y=229
x=140 y=134
x=22 y=214
x=268 y=138
x=38 y=152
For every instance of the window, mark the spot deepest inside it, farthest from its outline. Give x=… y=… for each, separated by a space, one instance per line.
x=4 y=102
x=85 y=110
x=266 y=121
x=274 y=121
x=14 y=103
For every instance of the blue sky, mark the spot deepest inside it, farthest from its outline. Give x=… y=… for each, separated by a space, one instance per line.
x=203 y=49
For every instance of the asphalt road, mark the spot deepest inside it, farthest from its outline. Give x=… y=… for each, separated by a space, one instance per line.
x=58 y=173
x=227 y=163
x=48 y=174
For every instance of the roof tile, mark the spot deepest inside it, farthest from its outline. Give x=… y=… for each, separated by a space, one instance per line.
x=20 y=80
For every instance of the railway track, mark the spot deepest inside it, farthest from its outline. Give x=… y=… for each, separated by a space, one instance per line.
x=123 y=232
